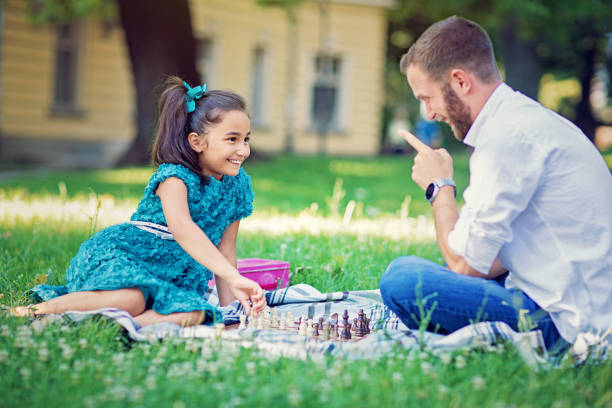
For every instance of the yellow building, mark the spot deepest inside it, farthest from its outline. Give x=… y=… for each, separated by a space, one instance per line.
x=66 y=94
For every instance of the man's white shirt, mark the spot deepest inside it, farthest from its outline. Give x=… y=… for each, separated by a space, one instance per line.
x=540 y=200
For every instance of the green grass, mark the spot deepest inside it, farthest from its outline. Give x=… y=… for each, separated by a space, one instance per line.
x=44 y=217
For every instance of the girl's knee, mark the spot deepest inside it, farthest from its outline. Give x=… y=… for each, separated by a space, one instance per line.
x=133 y=300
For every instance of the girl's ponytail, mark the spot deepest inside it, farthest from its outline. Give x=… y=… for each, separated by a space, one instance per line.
x=171 y=143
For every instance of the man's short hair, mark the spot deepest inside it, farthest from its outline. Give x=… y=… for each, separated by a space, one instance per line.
x=453 y=43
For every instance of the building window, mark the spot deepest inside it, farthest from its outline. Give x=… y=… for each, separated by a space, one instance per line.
x=324 y=110
x=67 y=54
x=257 y=87
x=205 y=61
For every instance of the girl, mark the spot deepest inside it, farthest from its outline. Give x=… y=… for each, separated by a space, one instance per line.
x=158 y=265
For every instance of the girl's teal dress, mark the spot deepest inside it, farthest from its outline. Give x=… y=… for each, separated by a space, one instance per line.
x=124 y=256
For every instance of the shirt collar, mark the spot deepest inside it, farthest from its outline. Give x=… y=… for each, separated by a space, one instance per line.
x=487 y=110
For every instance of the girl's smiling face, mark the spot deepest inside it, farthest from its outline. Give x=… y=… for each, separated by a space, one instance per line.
x=225 y=146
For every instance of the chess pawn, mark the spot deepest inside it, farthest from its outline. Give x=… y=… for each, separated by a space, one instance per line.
x=315 y=332
x=366 y=325
x=275 y=322
x=321 y=322
x=354 y=327
x=242 y=322
x=282 y=325
x=326 y=331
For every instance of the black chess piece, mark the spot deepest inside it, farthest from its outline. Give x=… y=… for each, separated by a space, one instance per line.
x=315 y=331
x=346 y=332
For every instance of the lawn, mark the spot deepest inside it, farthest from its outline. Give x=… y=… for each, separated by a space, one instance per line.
x=301 y=216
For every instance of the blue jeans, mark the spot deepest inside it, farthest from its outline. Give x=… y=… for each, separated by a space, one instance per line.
x=412 y=285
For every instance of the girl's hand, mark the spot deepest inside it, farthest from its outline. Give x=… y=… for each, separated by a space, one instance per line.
x=249 y=293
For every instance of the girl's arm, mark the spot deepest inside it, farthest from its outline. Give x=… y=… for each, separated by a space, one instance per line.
x=227 y=247
x=173 y=195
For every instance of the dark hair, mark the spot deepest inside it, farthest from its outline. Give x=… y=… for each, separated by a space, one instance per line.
x=453 y=43
x=175 y=123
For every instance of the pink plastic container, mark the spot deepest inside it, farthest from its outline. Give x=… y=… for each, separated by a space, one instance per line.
x=269 y=273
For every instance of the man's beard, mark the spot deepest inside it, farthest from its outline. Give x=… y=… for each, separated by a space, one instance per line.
x=459 y=115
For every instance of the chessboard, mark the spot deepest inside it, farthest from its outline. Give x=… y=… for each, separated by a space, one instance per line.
x=323 y=328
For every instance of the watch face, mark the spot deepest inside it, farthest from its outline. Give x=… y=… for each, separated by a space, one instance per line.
x=430 y=190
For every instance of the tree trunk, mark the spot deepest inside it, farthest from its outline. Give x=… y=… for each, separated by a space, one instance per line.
x=585 y=119
x=160 y=42
x=520 y=61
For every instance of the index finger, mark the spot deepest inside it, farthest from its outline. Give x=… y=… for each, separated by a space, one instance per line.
x=413 y=141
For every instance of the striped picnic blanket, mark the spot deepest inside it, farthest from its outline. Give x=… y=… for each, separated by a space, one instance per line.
x=388 y=332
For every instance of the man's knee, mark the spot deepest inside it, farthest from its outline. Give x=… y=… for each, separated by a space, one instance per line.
x=400 y=279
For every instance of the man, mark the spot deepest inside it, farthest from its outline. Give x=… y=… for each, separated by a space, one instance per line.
x=538 y=206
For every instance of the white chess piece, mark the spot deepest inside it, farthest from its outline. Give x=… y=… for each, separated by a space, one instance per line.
x=302 y=327
x=310 y=328
x=242 y=322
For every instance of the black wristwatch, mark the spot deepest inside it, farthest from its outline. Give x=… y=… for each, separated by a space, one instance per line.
x=432 y=189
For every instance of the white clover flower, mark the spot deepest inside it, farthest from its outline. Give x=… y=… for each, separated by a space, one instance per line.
x=63 y=367
x=151 y=383
x=348 y=380
x=426 y=367
x=64 y=329
x=478 y=382
x=118 y=359
x=119 y=392
x=250 y=367
x=136 y=394
x=207 y=353
x=67 y=353
x=397 y=377
x=3 y=356
x=178 y=404
x=4 y=331
x=294 y=397
x=442 y=389
x=460 y=362
x=43 y=354
x=25 y=373
x=446 y=358
x=83 y=343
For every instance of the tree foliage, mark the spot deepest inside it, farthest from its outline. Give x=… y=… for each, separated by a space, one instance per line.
x=531 y=37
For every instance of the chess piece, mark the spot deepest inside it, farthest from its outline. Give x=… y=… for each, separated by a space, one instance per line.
x=282 y=324
x=302 y=327
x=354 y=327
x=326 y=331
x=366 y=325
x=334 y=330
x=310 y=329
x=346 y=332
x=242 y=322
x=360 y=322
x=315 y=332
x=274 y=323
x=321 y=322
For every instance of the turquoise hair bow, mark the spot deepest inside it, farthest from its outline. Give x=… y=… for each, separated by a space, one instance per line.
x=192 y=95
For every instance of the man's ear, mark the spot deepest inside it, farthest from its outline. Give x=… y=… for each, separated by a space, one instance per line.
x=461 y=81
x=197 y=142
